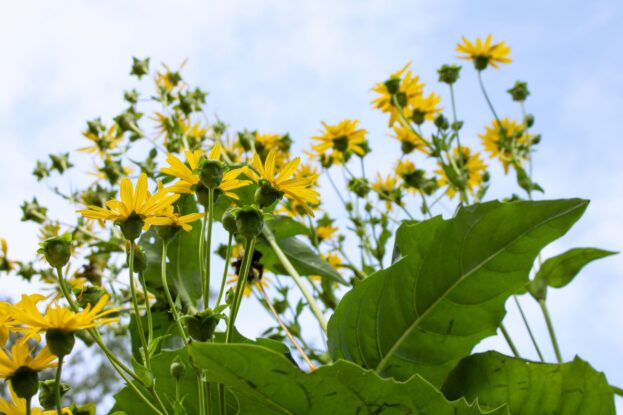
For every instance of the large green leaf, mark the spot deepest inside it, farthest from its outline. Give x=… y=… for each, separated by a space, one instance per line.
x=573 y=388
x=560 y=270
x=430 y=308
x=183 y=260
x=265 y=382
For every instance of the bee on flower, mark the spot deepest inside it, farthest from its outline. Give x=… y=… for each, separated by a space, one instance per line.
x=338 y=142
x=507 y=140
x=397 y=93
x=484 y=53
x=256 y=275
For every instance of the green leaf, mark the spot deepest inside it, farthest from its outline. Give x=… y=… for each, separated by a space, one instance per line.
x=183 y=261
x=573 y=388
x=265 y=382
x=447 y=293
x=560 y=270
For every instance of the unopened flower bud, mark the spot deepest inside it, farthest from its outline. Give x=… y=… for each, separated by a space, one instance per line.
x=131 y=227
x=449 y=74
x=519 y=91
x=441 y=122
x=249 y=222
x=418 y=117
x=393 y=85
x=211 y=173
x=57 y=250
x=229 y=221
x=177 y=369
x=60 y=342
x=266 y=195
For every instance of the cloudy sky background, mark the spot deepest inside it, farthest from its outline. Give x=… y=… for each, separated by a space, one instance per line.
x=281 y=66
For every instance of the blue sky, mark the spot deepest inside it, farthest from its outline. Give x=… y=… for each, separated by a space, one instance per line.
x=280 y=66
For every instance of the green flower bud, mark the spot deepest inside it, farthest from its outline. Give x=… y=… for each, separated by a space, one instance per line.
x=33 y=211
x=201 y=326
x=230 y=296
x=57 y=250
x=140 y=259
x=519 y=91
x=529 y=120
x=25 y=382
x=441 y=122
x=211 y=173
x=449 y=74
x=131 y=227
x=177 y=369
x=89 y=296
x=60 y=342
x=167 y=232
x=266 y=195
x=229 y=221
x=131 y=96
x=249 y=222
x=359 y=186
x=538 y=288
x=140 y=67
x=47 y=390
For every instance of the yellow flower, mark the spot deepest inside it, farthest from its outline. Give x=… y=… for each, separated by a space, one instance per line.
x=503 y=140
x=21 y=356
x=296 y=188
x=175 y=219
x=17 y=406
x=324 y=232
x=137 y=201
x=340 y=139
x=188 y=178
x=104 y=143
x=387 y=189
x=484 y=53
x=472 y=163
x=193 y=130
x=61 y=318
x=6 y=323
x=269 y=141
x=424 y=108
x=407 y=89
x=293 y=208
x=309 y=171
x=409 y=139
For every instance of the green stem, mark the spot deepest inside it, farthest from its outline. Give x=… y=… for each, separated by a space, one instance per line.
x=150 y=321
x=240 y=285
x=484 y=92
x=297 y=278
x=509 y=341
x=550 y=329
x=167 y=293
x=178 y=394
x=201 y=254
x=207 y=390
x=616 y=390
x=137 y=313
x=525 y=322
x=201 y=395
x=28 y=410
x=226 y=267
x=207 y=248
x=57 y=386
